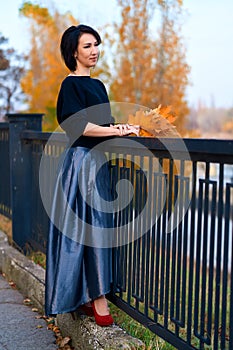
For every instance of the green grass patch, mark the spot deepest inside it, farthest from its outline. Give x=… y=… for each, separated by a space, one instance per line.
x=138 y=331
x=39 y=258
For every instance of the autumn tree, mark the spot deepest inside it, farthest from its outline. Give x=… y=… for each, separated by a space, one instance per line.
x=171 y=68
x=151 y=70
x=228 y=127
x=42 y=82
x=133 y=53
x=12 y=69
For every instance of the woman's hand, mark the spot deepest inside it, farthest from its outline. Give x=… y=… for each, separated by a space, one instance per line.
x=126 y=129
x=135 y=129
x=94 y=130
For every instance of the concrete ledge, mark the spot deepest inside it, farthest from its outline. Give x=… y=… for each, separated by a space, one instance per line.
x=85 y=334
x=89 y=336
x=28 y=276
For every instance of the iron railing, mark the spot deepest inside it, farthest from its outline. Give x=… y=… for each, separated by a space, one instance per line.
x=173 y=258
x=5 y=202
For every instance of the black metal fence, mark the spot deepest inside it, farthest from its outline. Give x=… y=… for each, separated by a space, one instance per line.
x=176 y=277
x=5 y=202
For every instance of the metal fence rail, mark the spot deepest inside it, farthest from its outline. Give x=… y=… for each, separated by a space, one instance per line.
x=5 y=202
x=174 y=275
x=38 y=145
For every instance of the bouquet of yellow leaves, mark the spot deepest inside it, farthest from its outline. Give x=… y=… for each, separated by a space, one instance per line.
x=156 y=122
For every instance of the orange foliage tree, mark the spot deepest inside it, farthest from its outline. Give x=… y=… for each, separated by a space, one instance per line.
x=151 y=71
x=228 y=127
x=41 y=83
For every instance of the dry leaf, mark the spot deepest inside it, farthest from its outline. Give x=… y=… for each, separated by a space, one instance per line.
x=39 y=326
x=50 y=326
x=155 y=122
x=56 y=329
x=49 y=320
x=27 y=301
x=34 y=309
x=12 y=284
x=59 y=339
x=64 y=341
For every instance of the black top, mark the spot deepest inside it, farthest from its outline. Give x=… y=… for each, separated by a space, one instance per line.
x=82 y=99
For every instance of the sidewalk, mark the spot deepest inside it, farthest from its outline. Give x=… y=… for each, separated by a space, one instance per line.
x=20 y=327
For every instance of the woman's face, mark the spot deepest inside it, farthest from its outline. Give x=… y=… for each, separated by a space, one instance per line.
x=87 y=51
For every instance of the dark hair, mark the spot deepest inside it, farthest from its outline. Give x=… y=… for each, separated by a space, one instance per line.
x=70 y=40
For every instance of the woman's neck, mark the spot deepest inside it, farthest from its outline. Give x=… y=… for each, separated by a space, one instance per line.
x=82 y=72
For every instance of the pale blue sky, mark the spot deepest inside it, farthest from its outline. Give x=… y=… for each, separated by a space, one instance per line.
x=207 y=32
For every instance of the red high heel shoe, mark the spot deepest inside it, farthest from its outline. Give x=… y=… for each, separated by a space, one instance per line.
x=103 y=321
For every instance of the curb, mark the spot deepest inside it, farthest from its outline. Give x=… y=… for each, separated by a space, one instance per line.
x=29 y=277
x=85 y=334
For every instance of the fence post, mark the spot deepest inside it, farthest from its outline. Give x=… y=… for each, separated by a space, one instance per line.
x=20 y=178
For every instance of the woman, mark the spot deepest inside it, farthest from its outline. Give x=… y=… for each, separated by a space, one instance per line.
x=78 y=275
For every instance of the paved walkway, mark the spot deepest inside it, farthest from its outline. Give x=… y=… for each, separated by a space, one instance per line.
x=19 y=327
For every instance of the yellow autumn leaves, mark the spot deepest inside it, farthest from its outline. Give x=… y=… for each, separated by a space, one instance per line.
x=156 y=122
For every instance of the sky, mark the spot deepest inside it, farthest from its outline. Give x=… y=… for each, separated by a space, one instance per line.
x=207 y=32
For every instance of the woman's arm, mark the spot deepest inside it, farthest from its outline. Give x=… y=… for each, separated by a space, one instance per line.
x=94 y=130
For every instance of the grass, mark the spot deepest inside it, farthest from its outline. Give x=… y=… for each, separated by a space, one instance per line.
x=39 y=258
x=138 y=331
x=6 y=227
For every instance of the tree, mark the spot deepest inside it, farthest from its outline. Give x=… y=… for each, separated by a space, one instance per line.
x=134 y=53
x=41 y=83
x=171 y=69
x=12 y=69
x=151 y=71
x=43 y=79
x=228 y=127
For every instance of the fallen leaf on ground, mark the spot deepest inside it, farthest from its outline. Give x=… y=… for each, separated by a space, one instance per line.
x=64 y=341
x=34 y=309
x=12 y=284
x=27 y=301
x=49 y=320
x=50 y=326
